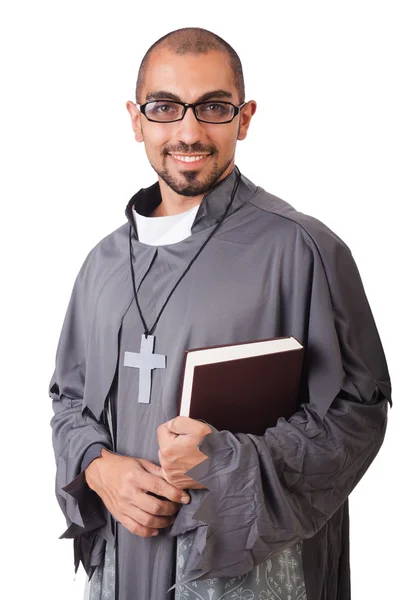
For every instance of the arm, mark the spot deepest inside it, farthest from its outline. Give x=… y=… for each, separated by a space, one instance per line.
x=74 y=434
x=75 y=431
x=267 y=492
x=74 y=437
x=93 y=452
x=90 y=490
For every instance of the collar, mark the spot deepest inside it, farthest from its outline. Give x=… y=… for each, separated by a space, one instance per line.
x=211 y=208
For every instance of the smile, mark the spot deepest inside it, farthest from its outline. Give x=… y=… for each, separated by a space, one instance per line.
x=189 y=158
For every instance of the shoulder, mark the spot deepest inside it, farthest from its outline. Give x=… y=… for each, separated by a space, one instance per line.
x=106 y=253
x=312 y=231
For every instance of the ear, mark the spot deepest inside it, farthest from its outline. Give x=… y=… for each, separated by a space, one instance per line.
x=246 y=114
x=135 y=115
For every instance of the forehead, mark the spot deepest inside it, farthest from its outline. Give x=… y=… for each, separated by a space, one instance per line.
x=189 y=75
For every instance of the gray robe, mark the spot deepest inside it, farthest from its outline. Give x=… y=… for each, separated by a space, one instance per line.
x=269 y=271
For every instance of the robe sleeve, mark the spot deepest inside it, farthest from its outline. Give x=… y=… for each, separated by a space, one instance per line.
x=265 y=493
x=75 y=431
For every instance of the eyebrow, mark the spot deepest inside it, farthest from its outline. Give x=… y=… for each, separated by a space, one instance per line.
x=164 y=95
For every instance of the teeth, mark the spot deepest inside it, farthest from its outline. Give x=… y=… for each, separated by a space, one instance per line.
x=188 y=158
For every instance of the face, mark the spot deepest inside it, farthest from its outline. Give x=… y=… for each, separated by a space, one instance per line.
x=190 y=78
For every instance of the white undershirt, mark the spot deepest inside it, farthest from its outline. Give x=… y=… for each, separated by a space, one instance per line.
x=158 y=231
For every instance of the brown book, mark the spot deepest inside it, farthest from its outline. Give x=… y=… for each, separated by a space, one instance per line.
x=242 y=388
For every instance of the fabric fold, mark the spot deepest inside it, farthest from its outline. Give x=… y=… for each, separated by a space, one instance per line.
x=74 y=431
x=231 y=543
x=269 y=271
x=268 y=492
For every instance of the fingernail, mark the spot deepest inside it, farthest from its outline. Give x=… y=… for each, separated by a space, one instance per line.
x=154 y=533
x=185 y=499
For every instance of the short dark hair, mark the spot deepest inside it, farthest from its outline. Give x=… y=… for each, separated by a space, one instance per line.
x=194 y=40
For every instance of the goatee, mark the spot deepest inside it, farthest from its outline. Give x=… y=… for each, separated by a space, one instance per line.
x=189 y=184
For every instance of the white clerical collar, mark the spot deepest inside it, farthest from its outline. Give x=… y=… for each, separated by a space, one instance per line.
x=158 y=231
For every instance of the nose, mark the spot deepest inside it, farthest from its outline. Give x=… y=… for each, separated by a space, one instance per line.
x=189 y=129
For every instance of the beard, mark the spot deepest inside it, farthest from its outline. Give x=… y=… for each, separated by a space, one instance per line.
x=189 y=183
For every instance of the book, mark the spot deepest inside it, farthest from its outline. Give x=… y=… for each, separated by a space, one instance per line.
x=242 y=388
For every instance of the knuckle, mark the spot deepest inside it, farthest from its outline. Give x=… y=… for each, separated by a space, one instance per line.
x=132 y=528
x=174 y=482
x=125 y=488
x=166 y=452
x=158 y=488
x=123 y=497
x=145 y=532
x=122 y=494
x=138 y=530
x=157 y=508
x=128 y=480
x=148 y=521
x=127 y=477
x=118 y=504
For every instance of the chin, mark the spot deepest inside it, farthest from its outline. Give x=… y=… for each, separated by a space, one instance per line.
x=192 y=182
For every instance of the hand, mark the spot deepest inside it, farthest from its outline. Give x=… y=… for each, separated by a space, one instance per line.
x=178 y=440
x=125 y=485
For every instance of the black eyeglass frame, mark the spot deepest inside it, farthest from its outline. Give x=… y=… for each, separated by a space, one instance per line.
x=186 y=105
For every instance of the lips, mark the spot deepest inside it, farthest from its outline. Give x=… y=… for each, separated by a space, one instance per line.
x=190 y=159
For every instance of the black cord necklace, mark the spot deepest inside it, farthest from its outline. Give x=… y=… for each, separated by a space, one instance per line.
x=146 y=360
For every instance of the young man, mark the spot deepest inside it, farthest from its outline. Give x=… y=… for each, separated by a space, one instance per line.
x=207 y=258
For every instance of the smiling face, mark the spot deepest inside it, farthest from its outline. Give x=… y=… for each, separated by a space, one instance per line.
x=173 y=148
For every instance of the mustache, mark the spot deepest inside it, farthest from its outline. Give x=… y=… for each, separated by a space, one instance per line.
x=185 y=149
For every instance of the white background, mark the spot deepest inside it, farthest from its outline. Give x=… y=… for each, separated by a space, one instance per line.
x=324 y=139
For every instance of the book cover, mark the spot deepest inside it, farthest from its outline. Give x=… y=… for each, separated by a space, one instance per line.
x=242 y=388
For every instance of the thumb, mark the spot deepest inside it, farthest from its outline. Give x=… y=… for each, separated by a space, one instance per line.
x=180 y=425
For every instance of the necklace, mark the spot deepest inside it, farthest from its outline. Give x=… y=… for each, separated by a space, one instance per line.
x=146 y=360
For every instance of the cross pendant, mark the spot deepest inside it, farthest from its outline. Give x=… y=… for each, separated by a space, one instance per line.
x=145 y=361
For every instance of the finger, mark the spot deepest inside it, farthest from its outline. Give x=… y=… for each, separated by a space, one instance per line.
x=183 y=425
x=147 y=520
x=157 y=485
x=134 y=527
x=121 y=516
x=164 y=436
x=160 y=487
x=187 y=426
x=155 y=506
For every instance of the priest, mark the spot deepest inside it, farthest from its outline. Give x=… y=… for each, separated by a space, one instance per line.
x=162 y=506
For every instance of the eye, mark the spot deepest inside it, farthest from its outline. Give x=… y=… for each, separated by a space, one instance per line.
x=163 y=107
x=215 y=107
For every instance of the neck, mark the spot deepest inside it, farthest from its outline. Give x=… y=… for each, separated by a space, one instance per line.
x=173 y=203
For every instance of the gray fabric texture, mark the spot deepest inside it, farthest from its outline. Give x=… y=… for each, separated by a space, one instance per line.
x=269 y=271
x=103 y=582
x=278 y=578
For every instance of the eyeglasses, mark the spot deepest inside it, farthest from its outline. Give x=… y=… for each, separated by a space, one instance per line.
x=168 y=111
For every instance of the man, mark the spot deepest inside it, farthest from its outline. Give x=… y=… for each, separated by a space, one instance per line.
x=208 y=258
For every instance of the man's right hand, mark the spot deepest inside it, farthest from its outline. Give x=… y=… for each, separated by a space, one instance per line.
x=122 y=482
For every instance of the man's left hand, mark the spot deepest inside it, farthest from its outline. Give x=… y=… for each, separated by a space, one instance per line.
x=178 y=440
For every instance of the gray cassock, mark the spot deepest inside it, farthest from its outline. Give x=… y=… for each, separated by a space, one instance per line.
x=276 y=505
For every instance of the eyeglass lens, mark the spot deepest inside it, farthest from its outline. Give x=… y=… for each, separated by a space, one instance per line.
x=211 y=112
